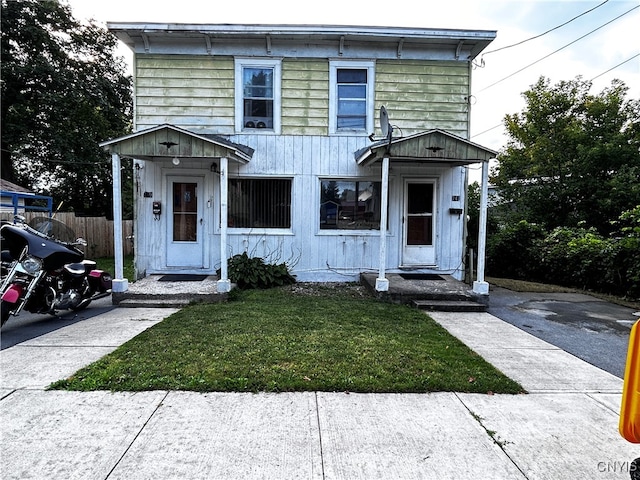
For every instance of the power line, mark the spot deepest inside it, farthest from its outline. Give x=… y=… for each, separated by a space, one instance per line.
x=599 y=75
x=613 y=68
x=556 y=51
x=544 y=33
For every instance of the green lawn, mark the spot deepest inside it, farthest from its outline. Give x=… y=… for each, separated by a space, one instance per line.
x=294 y=339
x=108 y=264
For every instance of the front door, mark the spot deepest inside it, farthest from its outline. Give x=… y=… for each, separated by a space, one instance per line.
x=419 y=223
x=185 y=230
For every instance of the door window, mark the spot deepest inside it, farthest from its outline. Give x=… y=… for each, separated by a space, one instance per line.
x=420 y=214
x=185 y=212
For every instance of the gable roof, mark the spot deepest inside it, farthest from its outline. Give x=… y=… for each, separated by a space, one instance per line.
x=168 y=141
x=7 y=186
x=433 y=146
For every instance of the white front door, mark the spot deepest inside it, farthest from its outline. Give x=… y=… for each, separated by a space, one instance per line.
x=185 y=224
x=419 y=223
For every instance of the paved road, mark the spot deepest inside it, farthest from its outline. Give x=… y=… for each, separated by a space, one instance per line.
x=591 y=329
x=27 y=326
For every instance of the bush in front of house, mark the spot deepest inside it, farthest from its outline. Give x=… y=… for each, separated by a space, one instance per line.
x=570 y=256
x=253 y=272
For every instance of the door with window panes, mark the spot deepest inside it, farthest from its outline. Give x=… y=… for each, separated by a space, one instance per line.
x=185 y=222
x=419 y=223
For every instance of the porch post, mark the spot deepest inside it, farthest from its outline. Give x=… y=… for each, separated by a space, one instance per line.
x=224 y=284
x=382 y=283
x=480 y=286
x=119 y=284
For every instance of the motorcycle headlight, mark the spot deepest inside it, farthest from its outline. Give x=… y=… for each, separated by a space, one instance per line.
x=31 y=265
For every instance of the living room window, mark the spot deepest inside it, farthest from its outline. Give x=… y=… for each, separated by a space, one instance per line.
x=257 y=95
x=259 y=203
x=350 y=205
x=351 y=97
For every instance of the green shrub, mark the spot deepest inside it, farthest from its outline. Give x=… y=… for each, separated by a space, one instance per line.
x=576 y=257
x=252 y=272
x=513 y=251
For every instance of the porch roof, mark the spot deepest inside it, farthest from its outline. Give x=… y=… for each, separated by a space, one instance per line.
x=169 y=141
x=434 y=147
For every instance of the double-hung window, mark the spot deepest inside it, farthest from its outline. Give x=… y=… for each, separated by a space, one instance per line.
x=351 y=93
x=257 y=95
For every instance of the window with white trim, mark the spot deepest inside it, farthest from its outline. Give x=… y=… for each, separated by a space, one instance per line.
x=257 y=105
x=259 y=203
x=350 y=205
x=351 y=96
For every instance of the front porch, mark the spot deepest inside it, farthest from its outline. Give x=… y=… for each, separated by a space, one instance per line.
x=434 y=292
x=429 y=292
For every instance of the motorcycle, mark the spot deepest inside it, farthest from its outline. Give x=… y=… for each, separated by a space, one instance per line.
x=44 y=271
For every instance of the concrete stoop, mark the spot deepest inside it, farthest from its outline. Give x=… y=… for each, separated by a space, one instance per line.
x=151 y=291
x=442 y=293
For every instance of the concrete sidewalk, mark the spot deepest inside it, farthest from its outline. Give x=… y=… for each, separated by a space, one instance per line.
x=566 y=427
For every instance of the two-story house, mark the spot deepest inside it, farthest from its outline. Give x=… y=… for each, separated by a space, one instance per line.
x=339 y=150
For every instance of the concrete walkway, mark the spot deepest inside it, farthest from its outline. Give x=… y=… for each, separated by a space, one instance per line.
x=565 y=428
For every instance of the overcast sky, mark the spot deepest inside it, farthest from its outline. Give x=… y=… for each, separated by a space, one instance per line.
x=514 y=21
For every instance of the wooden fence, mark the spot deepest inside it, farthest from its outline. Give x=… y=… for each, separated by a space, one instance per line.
x=97 y=231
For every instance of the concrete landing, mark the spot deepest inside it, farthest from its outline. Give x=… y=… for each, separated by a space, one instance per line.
x=433 y=293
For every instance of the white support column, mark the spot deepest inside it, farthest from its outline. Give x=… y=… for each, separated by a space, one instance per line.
x=120 y=284
x=480 y=286
x=382 y=283
x=224 y=284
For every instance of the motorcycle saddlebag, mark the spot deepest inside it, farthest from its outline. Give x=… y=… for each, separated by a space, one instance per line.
x=100 y=280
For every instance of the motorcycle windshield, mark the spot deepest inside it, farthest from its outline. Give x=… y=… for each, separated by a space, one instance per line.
x=53 y=254
x=53 y=229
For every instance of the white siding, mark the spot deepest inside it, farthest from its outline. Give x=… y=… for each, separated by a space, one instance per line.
x=314 y=254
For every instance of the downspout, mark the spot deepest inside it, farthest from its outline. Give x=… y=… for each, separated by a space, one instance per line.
x=119 y=284
x=224 y=284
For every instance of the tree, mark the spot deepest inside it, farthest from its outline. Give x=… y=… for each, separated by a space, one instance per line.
x=572 y=157
x=63 y=91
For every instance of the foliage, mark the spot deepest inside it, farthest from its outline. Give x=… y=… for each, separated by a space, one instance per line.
x=570 y=256
x=513 y=251
x=286 y=340
x=473 y=212
x=572 y=158
x=253 y=272
x=63 y=91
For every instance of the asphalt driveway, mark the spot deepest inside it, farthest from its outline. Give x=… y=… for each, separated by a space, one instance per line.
x=587 y=327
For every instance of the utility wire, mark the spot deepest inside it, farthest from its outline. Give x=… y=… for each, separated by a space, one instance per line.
x=599 y=75
x=544 y=33
x=559 y=49
x=613 y=68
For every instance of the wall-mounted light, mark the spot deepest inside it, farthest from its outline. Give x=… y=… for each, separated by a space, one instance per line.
x=214 y=167
x=175 y=161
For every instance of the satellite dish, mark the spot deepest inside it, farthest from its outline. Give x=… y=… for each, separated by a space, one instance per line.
x=384 y=122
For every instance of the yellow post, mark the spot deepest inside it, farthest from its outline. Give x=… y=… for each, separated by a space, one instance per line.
x=630 y=409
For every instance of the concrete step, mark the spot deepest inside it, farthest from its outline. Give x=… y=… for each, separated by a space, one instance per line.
x=449 y=305
x=153 y=303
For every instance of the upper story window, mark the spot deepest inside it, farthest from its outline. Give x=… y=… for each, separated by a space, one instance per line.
x=257 y=95
x=351 y=97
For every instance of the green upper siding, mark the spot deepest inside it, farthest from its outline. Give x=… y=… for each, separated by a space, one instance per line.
x=421 y=95
x=189 y=91
x=197 y=91
x=305 y=97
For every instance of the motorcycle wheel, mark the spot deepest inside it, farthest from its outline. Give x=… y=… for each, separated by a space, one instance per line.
x=4 y=311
